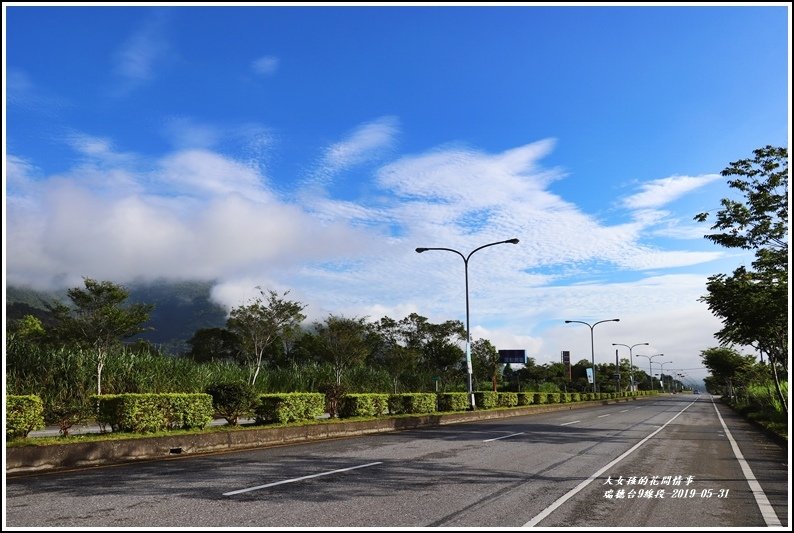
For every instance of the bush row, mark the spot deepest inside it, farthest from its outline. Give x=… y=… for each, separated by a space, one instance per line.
x=143 y=413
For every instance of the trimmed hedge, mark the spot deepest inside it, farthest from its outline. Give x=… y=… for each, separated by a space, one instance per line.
x=486 y=399
x=507 y=399
x=23 y=415
x=526 y=398
x=453 y=401
x=363 y=405
x=146 y=413
x=289 y=407
x=412 y=403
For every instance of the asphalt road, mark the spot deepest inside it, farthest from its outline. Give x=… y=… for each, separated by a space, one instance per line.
x=661 y=462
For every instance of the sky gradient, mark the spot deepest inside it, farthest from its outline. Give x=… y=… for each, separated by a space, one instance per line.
x=313 y=148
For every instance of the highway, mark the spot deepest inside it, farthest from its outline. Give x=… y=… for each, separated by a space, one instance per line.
x=672 y=461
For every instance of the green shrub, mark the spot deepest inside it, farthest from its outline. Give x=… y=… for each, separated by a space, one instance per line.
x=486 y=399
x=289 y=407
x=507 y=399
x=526 y=398
x=186 y=411
x=363 y=405
x=232 y=400
x=540 y=397
x=553 y=397
x=574 y=397
x=333 y=397
x=23 y=415
x=412 y=403
x=453 y=401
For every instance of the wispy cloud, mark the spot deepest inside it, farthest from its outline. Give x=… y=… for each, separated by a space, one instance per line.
x=265 y=65
x=144 y=51
x=22 y=92
x=367 y=142
x=663 y=191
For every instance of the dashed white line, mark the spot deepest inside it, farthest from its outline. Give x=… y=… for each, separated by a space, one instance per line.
x=623 y=411
x=505 y=437
x=568 y=423
x=602 y=416
x=293 y=480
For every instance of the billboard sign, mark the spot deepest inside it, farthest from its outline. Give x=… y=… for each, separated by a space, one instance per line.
x=513 y=356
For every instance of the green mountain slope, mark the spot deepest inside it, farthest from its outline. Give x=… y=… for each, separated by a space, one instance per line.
x=180 y=309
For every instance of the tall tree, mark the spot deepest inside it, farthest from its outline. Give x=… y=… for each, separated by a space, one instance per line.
x=726 y=365
x=342 y=342
x=486 y=362
x=753 y=303
x=393 y=352
x=99 y=319
x=261 y=322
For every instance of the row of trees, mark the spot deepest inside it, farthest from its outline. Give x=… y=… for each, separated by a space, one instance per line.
x=753 y=302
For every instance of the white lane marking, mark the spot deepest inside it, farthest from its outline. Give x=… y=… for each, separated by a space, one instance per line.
x=571 y=493
x=574 y=422
x=505 y=437
x=293 y=480
x=767 y=511
x=623 y=411
x=602 y=416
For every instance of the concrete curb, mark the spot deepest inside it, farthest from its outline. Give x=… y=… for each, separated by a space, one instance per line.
x=48 y=458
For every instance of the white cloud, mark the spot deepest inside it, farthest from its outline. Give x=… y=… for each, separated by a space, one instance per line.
x=139 y=57
x=265 y=66
x=662 y=191
x=199 y=214
x=365 y=143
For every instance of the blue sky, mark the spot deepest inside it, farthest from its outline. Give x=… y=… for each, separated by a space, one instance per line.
x=313 y=148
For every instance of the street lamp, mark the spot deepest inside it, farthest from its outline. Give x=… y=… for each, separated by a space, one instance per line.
x=661 y=369
x=631 y=359
x=592 y=348
x=466 y=270
x=650 y=359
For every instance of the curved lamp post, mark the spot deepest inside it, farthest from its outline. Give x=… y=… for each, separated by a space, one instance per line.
x=592 y=348
x=650 y=359
x=466 y=270
x=631 y=359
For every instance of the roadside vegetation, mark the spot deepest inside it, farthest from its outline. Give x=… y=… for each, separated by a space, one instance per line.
x=85 y=349
x=752 y=302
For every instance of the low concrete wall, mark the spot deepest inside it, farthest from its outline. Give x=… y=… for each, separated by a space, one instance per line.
x=27 y=459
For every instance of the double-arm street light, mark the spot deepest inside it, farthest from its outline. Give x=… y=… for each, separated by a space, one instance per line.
x=631 y=359
x=592 y=347
x=661 y=369
x=468 y=335
x=650 y=359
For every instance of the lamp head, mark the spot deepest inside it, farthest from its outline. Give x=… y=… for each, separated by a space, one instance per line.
x=420 y=250
x=512 y=241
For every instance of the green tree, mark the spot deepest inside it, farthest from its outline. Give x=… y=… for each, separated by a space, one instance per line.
x=211 y=344
x=486 y=362
x=342 y=342
x=261 y=322
x=393 y=352
x=727 y=365
x=99 y=320
x=753 y=303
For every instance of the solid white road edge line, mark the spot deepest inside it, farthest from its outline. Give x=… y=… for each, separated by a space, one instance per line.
x=300 y=479
x=767 y=511
x=571 y=493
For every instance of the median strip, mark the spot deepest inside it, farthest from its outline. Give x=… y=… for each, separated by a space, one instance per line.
x=293 y=480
